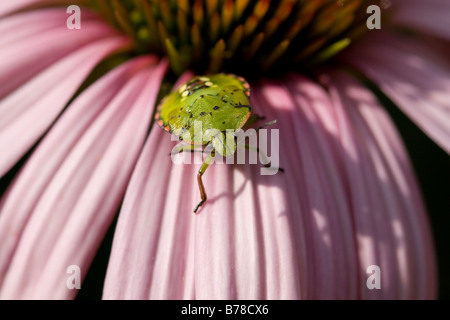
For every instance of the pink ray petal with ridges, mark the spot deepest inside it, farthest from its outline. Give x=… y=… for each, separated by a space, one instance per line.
x=82 y=189
x=32 y=108
x=387 y=206
x=37 y=173
x=413 y=76
x=13 y=28
x=10 y=6
x=144 y=211
x=22 y=57
x=318 y=192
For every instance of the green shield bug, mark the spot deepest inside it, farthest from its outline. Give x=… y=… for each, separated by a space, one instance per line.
x=218 y=102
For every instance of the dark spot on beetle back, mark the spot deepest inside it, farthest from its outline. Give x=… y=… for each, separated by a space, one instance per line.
x=242 y=106
x=216 y=108
x=202 y=114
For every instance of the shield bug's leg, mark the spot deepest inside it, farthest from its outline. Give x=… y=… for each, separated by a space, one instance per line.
x=189 y=148
x=267 y=124
x=201 y=171
x=256 y=149
x=253 y=118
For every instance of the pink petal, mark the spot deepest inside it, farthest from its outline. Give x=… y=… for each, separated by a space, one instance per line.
x=286 y=236
x=140 y=224
x=413 y=76
x=31 y=23
x=60 y=206
x=424 y=15
x=315 y=191
x=29 y=111
x=37 y=173
x=35 y=40
x=386 y=201
x=10 y=6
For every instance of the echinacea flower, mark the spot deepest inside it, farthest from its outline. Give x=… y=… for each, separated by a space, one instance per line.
x=79 y=145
